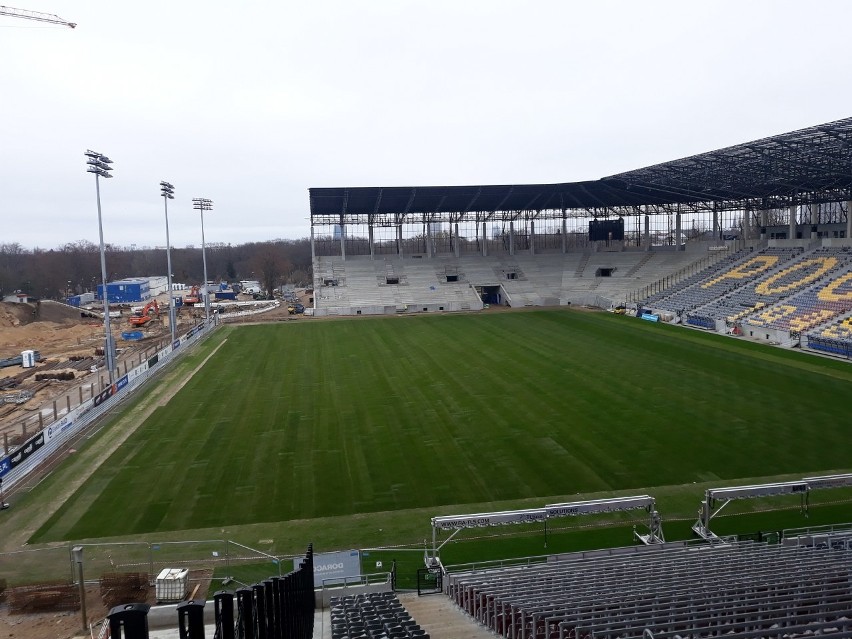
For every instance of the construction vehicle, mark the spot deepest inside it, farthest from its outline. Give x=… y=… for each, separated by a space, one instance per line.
x=142 y=316
x=194 y=296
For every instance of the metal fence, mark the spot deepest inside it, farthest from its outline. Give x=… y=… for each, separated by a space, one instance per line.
x=222 y=561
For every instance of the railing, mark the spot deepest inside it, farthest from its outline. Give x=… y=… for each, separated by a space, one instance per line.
x=670 y=280
x=369 y=579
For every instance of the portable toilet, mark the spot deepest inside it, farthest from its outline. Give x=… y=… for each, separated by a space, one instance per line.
x=27 y=359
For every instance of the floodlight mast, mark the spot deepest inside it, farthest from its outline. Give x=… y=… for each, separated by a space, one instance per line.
x=202 y=204
x=168 y=192
x=99 y=165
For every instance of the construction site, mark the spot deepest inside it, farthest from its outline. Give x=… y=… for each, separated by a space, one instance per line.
x=52 y=354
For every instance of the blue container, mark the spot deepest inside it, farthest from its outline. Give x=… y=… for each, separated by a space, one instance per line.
x=126 y=291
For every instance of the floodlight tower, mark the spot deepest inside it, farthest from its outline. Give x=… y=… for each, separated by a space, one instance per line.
x=168 y=193
x=99 y=164
x=202 y=204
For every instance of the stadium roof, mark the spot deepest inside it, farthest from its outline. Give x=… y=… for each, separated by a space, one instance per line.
x=808 y=165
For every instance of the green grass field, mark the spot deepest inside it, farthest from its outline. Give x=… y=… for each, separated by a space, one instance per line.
x=303 y=430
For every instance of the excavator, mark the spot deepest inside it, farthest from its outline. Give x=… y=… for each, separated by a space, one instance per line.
x=149 y=312
x=193 y=297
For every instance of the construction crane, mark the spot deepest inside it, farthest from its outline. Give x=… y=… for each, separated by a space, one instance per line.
x=38 y=16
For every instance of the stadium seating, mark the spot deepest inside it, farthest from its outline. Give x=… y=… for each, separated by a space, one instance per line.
x=357 y=284
x=737 y=590
x=372 y=616
x=447 y=282
x=655 y=300
x=780 y=283
x=722 y=279
x=810 y=308
x=835 y=338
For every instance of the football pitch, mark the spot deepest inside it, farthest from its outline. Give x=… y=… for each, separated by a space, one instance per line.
x=335 y=429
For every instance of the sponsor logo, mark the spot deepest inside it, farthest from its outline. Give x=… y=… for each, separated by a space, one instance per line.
x=461 y=523
x=327 y=567
x=561 y=512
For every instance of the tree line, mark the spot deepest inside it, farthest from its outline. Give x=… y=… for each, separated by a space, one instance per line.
x=75 y=267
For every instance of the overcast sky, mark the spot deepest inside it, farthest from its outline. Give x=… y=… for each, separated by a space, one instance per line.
x=251 y=103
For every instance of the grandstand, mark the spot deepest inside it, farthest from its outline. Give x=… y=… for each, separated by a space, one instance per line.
x=761 y=206
x=734 y=589
x=362 y=286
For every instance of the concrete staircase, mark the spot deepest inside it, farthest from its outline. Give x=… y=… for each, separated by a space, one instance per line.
x=442 y=619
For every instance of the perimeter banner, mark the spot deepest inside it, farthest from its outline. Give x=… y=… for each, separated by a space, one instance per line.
x=333 y=565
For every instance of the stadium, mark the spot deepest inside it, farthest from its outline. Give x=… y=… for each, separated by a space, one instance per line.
x=491 y=437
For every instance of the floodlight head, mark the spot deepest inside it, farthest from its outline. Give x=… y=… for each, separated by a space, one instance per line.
x=98 y=163
x=202 y=204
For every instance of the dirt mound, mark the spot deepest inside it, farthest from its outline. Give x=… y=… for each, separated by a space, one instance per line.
x=49 y=311
x=67 y=336
x=16 y=314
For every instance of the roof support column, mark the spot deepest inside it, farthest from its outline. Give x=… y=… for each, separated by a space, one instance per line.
x=647 y=240
x=313 y=252
x=564 y=233
x=532 y=237
x=511 y=237
x=428 y=239
x=717 y=232
x=399 y=239
x=814 y=215
x=484 y=239
x=342 y=239
x=746 y=224
x=677 y=232
x=848 y=219
x=370 y=238
x=456 y=247
x=764 y=221
x=792 y=233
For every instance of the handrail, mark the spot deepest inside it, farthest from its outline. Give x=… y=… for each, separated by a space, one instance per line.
x=670 y=280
